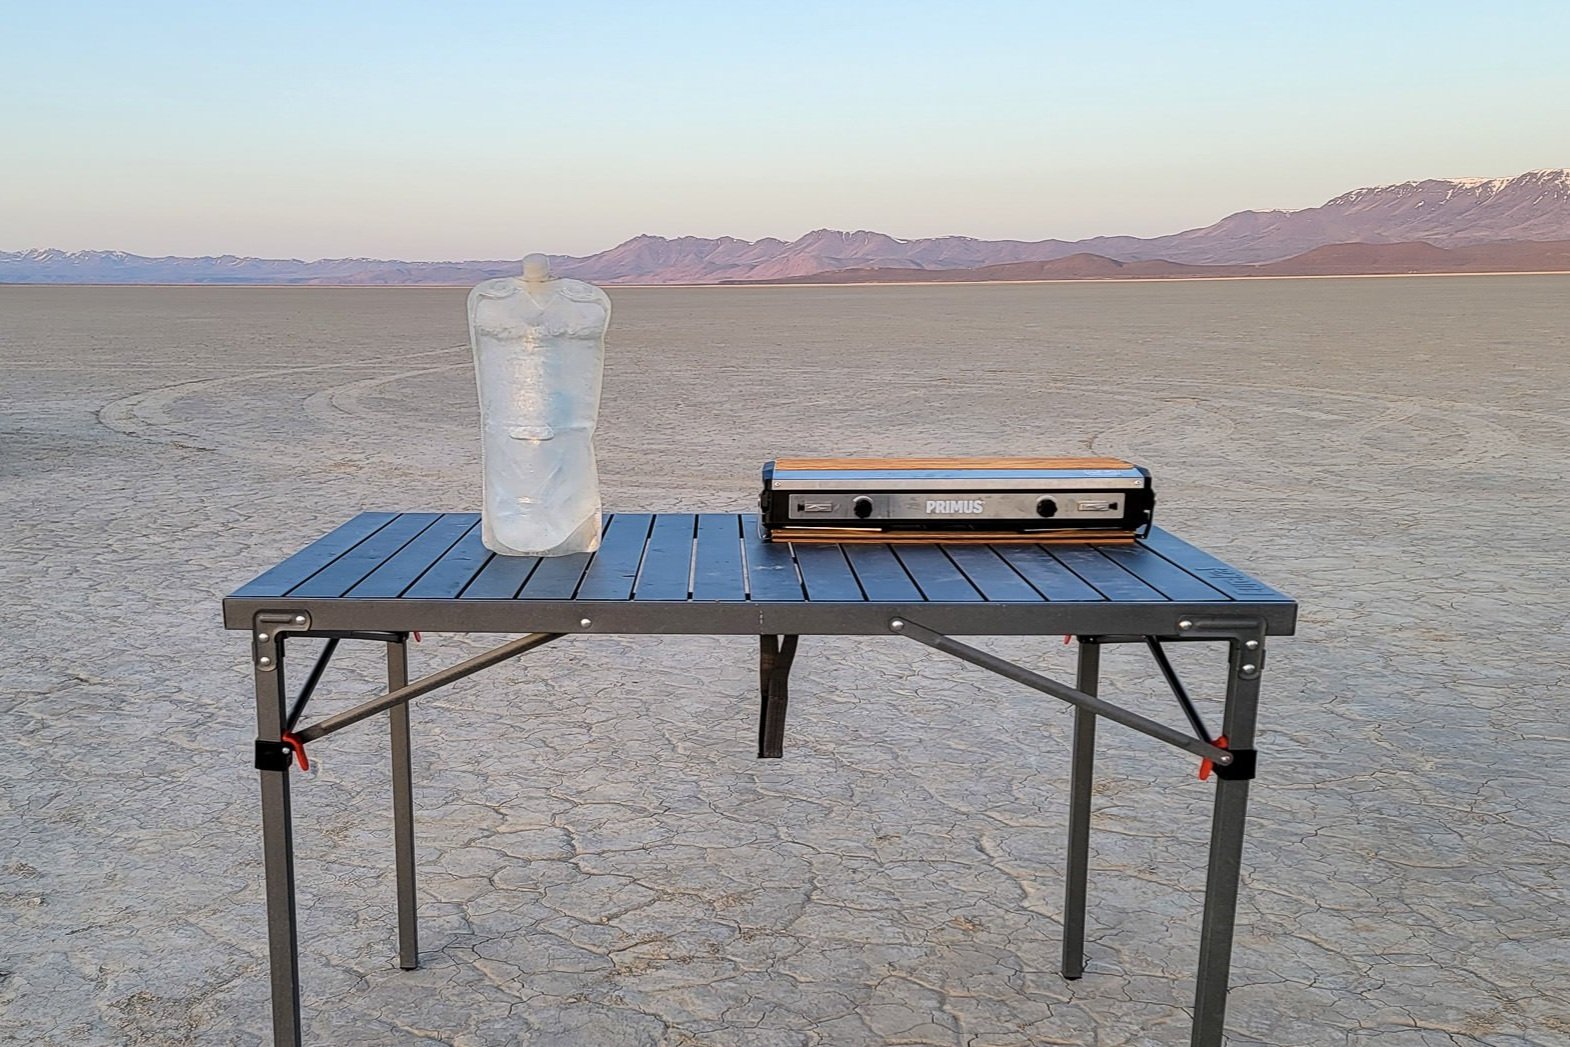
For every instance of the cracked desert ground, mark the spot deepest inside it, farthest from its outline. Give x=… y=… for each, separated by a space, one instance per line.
x=602 y=860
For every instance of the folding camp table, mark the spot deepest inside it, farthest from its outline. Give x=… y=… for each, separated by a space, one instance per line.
x=382 y=576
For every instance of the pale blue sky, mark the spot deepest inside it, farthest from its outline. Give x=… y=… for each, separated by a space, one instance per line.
x=489 y=130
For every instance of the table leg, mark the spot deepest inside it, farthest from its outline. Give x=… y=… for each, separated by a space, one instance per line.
x=403 y=809
x=768 y=650
x=278 y=852
x=1081 y=778
x=776 y=653
x=1226 y=856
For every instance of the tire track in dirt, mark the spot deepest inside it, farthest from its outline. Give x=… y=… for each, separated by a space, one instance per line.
x=149 y=414
x=334 y=403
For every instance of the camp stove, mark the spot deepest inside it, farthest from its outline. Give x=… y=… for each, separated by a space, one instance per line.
x=956 y=499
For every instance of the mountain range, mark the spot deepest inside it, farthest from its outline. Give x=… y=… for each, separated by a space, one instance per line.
x=1544 y=256
x=1446 y=215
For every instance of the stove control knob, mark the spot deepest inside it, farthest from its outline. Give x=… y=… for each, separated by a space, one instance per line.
x=862 y=507
x=1046 y=507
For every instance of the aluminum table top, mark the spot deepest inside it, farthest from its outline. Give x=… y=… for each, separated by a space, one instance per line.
x=714 y=573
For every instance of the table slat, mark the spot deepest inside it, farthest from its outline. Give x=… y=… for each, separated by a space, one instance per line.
x=936 y=575
x=771 y=570
x=716 y=570
x=667 y=561
x=278 y=580
x=556 y=578
x=826 y=574
x=346 y=572
x=456 y=569
x=614 y=569
x=501 y=578
x=1162 y=574
x=881 y=575
x=401 y=569
x=990 y=574
x=1050 y=578
x=1105 y=576
x=1215 y=572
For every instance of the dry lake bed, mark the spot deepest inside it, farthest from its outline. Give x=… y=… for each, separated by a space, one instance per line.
x=603 y=861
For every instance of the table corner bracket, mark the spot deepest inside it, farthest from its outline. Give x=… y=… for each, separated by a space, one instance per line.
x=1247 y=631
x=268 y=629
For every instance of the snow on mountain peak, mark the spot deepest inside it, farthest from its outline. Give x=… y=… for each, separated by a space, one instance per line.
x=1481 y=188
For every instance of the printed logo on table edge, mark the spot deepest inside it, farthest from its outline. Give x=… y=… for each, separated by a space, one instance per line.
x=956 y=506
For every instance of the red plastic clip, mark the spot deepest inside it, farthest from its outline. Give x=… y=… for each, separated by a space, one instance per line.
x=416 y=635
x=299 y=750
x=1205 y=765
x=1068 y=640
